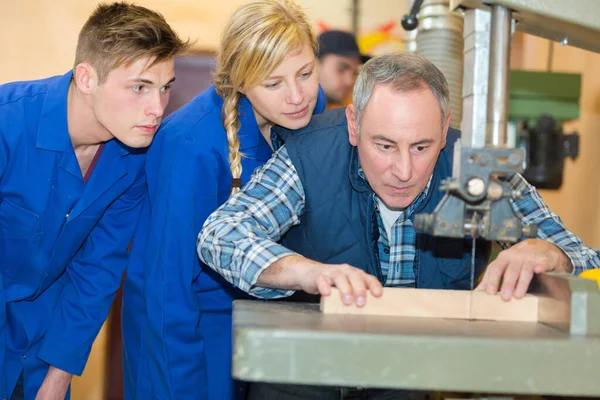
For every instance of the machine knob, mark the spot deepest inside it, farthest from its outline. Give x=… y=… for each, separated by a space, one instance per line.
x=410 y=22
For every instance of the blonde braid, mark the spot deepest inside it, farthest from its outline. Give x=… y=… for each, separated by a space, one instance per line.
x=256 y=39
x=231 y=123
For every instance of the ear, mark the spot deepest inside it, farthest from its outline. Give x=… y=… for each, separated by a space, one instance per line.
x=85 y=77
x=352 y=128
x=445 y=130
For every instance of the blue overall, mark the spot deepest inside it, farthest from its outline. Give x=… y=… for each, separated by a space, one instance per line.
x=176 y=311
x=63 y=243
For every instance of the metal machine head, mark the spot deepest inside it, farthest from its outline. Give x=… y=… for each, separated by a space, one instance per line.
x=477 y=200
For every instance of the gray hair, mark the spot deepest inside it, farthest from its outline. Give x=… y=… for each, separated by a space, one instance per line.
x=405 y=72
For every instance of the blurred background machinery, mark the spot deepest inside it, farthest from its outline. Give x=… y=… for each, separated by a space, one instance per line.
x=457 y=42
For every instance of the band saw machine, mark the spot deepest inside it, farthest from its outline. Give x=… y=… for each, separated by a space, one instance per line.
x=551 y=347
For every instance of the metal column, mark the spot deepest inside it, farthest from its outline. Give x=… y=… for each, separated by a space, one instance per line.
x=497 y=106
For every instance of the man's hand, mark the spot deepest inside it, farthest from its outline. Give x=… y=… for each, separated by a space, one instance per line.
x=55 y=385
x=300 y=273
x=352 y=282
x=516 y=266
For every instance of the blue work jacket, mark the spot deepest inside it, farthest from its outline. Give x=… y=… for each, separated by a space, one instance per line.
x=63 y=243
x=176 y=311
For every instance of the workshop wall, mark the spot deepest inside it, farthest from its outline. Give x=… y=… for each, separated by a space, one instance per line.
x=38 y=37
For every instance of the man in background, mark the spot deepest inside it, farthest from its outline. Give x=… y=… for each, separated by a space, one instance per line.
x=339 y=60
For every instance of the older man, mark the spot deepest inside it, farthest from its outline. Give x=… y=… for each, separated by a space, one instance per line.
x=342 y=193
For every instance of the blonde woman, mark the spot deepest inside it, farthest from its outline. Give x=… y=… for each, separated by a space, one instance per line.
x=177 y=312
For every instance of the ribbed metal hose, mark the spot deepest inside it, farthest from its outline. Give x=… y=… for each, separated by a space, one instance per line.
x=440 y=39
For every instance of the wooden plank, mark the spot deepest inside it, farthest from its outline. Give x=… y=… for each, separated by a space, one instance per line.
x=456 y=304
x=485 y=306
x=405 y=302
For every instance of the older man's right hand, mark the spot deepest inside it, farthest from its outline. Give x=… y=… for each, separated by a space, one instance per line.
x=300 y=273
x=352 y=283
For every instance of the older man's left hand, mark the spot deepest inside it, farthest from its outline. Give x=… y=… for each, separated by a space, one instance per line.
x=514 y=267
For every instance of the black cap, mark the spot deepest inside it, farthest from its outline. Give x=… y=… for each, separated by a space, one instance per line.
x=340 y=43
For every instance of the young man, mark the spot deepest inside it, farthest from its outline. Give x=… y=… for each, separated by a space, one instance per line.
x=384 y=157
x=71 y=185
x=338 y=63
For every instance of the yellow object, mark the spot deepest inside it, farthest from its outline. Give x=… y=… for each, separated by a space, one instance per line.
x=593 y=274
x=381 y=40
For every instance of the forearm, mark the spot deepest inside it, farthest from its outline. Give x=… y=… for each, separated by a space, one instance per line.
x=239 y=240
x=579 y=256
x=55 y=385
x=242 y=259
x=286 y=273
x=532 y=209
x=58 y=377
x=564 y=264
x=300 y=273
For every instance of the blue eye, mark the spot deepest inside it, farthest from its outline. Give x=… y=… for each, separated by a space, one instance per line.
x=137 y=88
x=166 y=88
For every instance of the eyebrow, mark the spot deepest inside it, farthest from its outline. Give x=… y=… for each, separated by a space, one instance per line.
x=388 y=140
x=148 y=81
x=299 y=69
x=421 y=142
x=383 y=138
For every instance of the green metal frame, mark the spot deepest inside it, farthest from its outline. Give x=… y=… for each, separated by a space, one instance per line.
x=533 y=93
x=296 y=344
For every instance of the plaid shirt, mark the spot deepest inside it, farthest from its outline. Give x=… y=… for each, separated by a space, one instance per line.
x=239 y=240
x=402 y=253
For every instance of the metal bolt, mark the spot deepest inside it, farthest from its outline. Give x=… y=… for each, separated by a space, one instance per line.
x=475 y=186
x=494 y=191
x=564 y=42
x=514 y=159
x=484 y=159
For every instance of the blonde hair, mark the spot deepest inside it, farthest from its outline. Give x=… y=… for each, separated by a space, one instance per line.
x=256 y=39
x=119 y=34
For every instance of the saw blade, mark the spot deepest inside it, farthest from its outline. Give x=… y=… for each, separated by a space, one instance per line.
x=473 y=264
